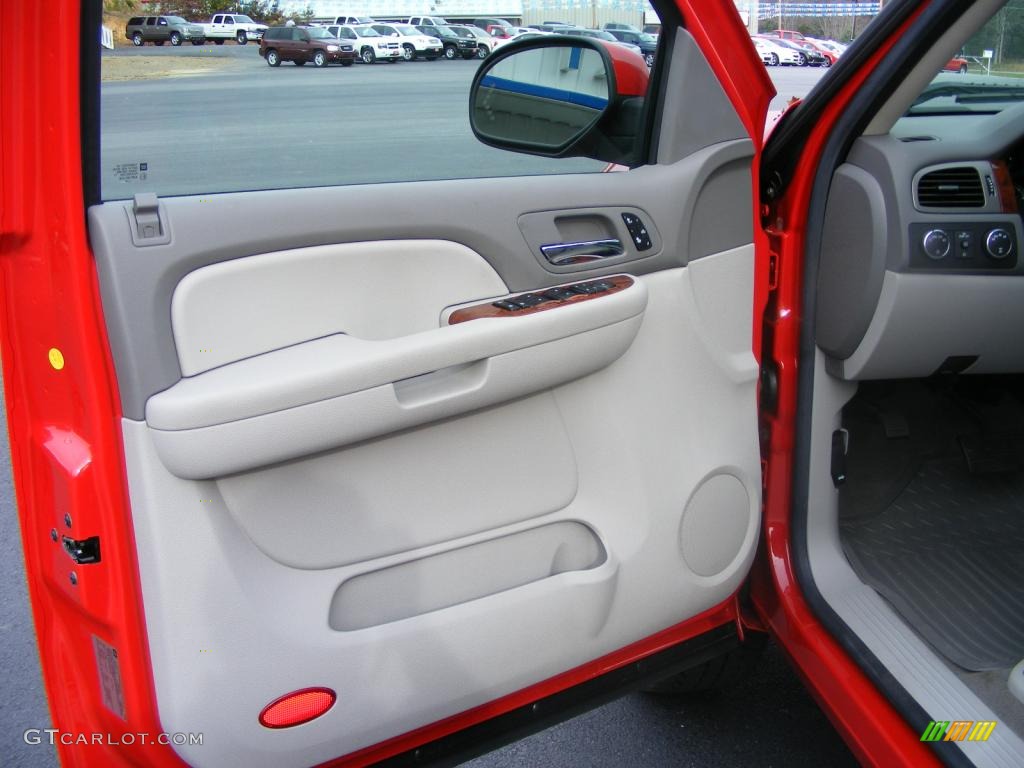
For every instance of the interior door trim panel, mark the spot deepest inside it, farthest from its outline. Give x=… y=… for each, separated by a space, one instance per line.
x=137 y=284
x=654 y=453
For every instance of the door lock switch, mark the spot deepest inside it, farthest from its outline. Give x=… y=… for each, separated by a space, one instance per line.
x=637 y=231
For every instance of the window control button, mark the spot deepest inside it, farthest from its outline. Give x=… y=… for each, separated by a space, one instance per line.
x=559 y=294
x=528 y=300
x=508 y=306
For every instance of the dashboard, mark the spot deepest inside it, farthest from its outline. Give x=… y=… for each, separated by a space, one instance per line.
x=921 y=270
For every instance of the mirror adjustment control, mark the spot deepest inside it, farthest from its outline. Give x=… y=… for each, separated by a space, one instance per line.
x=936 y=244
x=637 y=231
x=999 y=243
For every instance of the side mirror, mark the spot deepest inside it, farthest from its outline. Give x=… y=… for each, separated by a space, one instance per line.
x=561 y=97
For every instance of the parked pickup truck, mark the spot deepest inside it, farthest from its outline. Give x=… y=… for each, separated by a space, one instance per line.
x=233 y=26
x=427 y=21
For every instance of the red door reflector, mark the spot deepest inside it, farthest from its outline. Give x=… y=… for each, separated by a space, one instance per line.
x=297 y=707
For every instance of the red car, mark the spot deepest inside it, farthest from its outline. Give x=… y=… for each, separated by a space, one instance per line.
x=956 y=64
x=829 y=55
x=390 y=468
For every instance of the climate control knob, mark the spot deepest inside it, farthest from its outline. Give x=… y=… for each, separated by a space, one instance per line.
x=936 y=244
x=999 y=243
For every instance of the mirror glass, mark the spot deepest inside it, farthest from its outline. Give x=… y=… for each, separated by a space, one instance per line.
x=546 y=97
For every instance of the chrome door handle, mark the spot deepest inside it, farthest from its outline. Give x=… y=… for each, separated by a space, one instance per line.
x=560 y=254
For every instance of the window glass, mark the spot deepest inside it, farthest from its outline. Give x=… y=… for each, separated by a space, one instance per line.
x=205 y=120
x=985 y=77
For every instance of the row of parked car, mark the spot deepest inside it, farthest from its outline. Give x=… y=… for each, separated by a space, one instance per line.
x=788 y=48
x=355 y=38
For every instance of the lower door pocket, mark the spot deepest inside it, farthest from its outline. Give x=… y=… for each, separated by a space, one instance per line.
x=464 y=574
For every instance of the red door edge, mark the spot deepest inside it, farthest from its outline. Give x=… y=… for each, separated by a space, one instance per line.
x=64 y=414
x=867 y=721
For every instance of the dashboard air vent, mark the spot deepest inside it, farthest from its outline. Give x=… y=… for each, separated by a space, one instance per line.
x=951 y=188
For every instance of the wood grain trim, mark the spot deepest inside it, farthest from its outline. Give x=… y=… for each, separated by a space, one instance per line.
x=487 y=309
x=1007 y=194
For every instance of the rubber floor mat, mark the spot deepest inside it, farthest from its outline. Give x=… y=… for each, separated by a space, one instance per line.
x=948 y=553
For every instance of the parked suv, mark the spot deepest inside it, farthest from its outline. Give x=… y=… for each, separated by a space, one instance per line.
x=484 y=42
x=455 y=45
x=370 y=45
x=648 y=44
x=302 y=44
x=160 y=29
x=414 y=43
x=354 y=20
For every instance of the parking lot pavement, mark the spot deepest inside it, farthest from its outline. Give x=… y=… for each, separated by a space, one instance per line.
x=767 y=720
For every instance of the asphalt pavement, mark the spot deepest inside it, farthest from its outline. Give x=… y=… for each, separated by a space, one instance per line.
x=367 y=121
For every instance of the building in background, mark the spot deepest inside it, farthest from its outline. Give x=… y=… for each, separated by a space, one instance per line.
x=584 y=13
